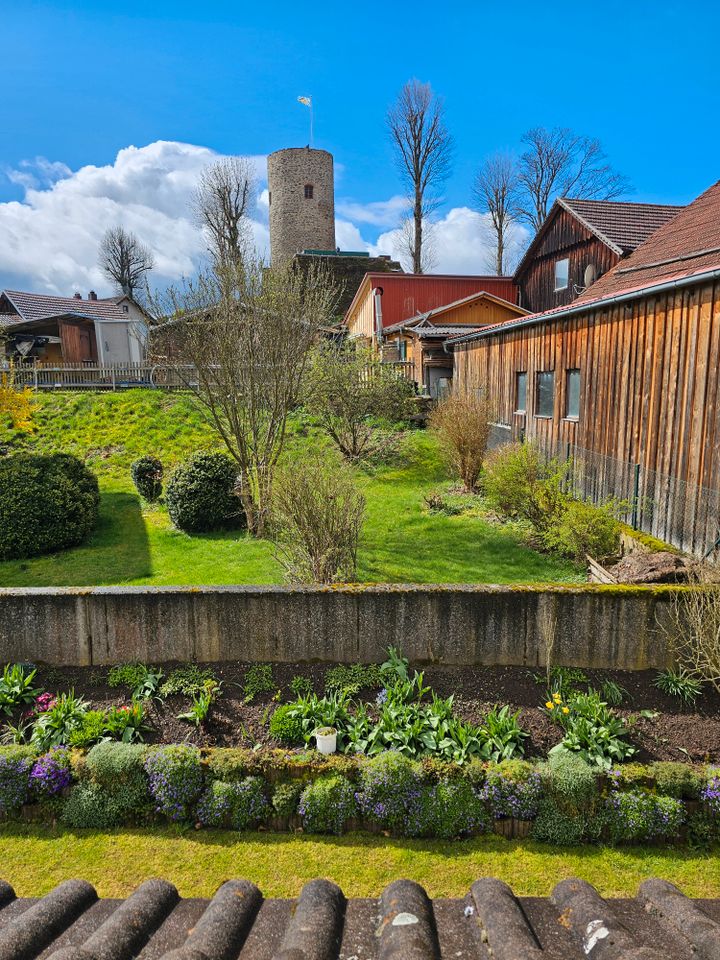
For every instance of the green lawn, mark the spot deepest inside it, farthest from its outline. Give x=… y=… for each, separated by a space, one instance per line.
x=34 y=859
x=133 y=544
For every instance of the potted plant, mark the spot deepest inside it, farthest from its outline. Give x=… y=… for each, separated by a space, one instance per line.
x=326 y=739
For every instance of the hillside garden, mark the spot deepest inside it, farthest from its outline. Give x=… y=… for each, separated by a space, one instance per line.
x=416 y=528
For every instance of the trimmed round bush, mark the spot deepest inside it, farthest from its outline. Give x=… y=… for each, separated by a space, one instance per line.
x=47 y=503
x=390 y=784
x=147 y=475
x=285 y=725
x=51 y=773
x=199 y=494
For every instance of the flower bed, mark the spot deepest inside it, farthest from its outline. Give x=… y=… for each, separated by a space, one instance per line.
x=562 y=800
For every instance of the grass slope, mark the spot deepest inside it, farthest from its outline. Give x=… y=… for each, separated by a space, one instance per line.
x=36 y=858
x=136 y=543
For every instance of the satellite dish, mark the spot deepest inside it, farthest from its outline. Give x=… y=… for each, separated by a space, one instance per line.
x=590 y=275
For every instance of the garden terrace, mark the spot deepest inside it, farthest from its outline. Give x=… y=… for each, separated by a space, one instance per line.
x=403 y=922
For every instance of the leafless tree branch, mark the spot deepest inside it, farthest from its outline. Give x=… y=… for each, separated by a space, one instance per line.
x=125 y=260
x=222 y=203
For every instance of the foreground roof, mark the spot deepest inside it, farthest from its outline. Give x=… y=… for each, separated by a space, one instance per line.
x=685 y=250
x=41 y=306
x=70 y=923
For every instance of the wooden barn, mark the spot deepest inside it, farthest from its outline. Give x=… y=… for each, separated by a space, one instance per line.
x=420 y=340
x=579 y=242
x=626 y=380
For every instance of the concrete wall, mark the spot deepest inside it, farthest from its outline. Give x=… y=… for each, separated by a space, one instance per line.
x=586 y=626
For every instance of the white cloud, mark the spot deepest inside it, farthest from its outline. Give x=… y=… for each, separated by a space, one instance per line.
x=50 y=238
x=382 y=213
x=461 y=242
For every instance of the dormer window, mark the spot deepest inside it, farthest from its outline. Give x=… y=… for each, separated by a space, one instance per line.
x=308 y=191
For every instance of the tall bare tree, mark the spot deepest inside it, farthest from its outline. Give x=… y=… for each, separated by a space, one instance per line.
x=246 y=334
x=423 y=150
x=496 y=193
x=406 y=246
x=125 y=260
x=222 y=203
x=559 y=163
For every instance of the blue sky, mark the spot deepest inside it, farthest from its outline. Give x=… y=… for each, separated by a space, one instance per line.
x=84 y=80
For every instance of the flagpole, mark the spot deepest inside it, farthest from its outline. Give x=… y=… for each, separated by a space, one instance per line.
x=311 y=123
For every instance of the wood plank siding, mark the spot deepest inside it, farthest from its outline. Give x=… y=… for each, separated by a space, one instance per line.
x=564 y=236
x=649 y=395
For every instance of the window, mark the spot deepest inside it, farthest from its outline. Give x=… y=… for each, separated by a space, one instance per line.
x=309 y=194
x=545 y=394
x=562 y=274
x=572 y=395
x=520 y=391
x=402 y=349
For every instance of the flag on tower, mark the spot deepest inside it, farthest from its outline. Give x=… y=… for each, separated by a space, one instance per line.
x=306 y=100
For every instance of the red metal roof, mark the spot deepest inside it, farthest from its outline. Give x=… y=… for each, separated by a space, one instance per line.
x=406 y=295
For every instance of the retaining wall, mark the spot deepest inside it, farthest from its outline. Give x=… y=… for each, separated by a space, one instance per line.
x=601 y=627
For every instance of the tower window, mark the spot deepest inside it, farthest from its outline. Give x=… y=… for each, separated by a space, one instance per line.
x=308 y=191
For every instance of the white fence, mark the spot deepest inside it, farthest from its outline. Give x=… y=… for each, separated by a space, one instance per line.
x=117 y=376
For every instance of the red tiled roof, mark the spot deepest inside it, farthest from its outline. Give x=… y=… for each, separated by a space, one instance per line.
x=624 y=225
x=39 y=306
x=686 y=245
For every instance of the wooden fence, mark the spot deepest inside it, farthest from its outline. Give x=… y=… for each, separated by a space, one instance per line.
x=116 y=376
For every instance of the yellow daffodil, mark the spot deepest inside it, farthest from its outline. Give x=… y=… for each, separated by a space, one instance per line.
x=550 y=705
x=557 y=698
x=566 y=710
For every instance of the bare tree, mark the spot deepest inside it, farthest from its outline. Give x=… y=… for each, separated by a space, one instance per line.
x=222 y=203
x=462 y=425
x=125 y=260
x=423 y=149
x=559 y=163
x=406 y=246
x=495 y=191
x=244 y=336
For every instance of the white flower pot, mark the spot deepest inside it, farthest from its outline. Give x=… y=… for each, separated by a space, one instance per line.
x=326 y=742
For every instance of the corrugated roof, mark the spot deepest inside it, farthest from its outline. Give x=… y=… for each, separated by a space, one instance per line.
x=575 y=922
x=687 y=246
x=39 y=306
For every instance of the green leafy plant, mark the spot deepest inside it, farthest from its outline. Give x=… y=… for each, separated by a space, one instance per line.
x=301 y=686
x=285 y=798
x=54 y=727
x=202 y=703
x=583 y=529
x=240 y=804
x=570 y=800
x=16 y=687
x=396 y=667
x=680 y=684
x=187 y=679
x=144 y=682
x=258 y=679
x=312 y=712
x=562 y=680
x=350 y=680
x=612 y=692
x=327 y=804
x=591 y=729
x=503 y=735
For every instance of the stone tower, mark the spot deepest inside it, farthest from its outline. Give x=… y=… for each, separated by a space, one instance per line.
x=302 y=202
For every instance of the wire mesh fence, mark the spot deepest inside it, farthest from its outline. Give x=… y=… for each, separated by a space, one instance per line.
x=677 y=512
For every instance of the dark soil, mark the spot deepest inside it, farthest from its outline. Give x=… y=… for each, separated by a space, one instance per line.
x=674 y=734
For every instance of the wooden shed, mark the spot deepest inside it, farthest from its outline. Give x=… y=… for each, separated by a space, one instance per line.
x=627 y=378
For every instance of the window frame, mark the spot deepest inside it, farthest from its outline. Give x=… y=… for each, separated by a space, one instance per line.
x=520 y=409
x=309 y=190
x=538 y=376
x=565 y=286
x=574 y=417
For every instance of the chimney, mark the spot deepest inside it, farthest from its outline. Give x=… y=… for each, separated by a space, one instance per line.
x=77 y=296
x=92 y=295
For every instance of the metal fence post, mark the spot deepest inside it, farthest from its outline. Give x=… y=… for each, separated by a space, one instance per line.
x=636 y=497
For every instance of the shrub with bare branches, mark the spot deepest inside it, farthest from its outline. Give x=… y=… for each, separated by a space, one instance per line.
x=693 y=630
x=462 y=424
x=317 y=517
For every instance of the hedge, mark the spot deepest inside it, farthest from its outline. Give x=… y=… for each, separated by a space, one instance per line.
x=560 y=801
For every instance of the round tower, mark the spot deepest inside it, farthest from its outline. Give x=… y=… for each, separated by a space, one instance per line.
x=302 y=202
